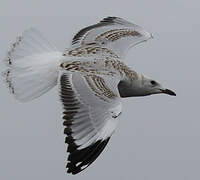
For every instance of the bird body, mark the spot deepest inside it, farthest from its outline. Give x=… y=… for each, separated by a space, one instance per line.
x=92 y=78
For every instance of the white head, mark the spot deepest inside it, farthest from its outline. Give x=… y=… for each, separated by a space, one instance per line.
x=150 y=86
x=143 y=86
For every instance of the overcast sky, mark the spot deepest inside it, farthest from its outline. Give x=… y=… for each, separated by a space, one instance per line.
x=158 y=137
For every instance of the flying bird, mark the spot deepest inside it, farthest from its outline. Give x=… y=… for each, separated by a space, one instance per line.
x=92 y=79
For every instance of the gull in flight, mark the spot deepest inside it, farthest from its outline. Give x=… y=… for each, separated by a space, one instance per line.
x=92 y=78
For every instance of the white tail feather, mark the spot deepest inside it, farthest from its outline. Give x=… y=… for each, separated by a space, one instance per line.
x=32 y=66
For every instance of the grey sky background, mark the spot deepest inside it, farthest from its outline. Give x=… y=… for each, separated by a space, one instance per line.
x=158 y=137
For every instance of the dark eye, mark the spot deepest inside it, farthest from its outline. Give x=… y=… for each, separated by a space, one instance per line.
x=153 y=83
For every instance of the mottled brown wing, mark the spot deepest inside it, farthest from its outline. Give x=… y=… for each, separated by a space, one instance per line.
x=112 y=33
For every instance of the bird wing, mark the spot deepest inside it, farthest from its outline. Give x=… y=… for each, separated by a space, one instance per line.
x=91 y=108
x=113 y=33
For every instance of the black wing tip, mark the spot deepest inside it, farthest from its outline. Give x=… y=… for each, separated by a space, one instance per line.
x=78 y=160
x=109 y=19
x=106 y=21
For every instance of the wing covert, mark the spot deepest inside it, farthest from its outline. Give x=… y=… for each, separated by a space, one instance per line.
x=113 y=33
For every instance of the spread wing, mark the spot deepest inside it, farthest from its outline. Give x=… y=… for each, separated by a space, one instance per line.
x=91 y=108
x=113 y=33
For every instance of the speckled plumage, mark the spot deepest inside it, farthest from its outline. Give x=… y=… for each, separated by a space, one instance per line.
x=92 y=78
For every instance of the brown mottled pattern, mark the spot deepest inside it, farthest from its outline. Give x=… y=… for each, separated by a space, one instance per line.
x=82 y=34
x=92 y=71
x=91 y=50
x=123 y=33
x=96 y=83
x=86 y=67
x=121 y=68
x=109 y=64
x=101 y=85
x=106 y=33
x=116 y=34
x=96 y=92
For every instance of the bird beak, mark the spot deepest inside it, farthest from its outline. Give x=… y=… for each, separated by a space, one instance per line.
x=169 y=92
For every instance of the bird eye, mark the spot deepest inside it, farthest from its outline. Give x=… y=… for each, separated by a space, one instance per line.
x=153 y=83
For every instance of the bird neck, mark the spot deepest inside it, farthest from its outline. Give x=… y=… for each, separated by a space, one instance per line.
x=132 y=87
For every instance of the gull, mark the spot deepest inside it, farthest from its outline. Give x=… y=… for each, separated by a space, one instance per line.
x=92 y=79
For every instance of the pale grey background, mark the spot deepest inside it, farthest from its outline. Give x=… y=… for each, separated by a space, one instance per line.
x=158 y=137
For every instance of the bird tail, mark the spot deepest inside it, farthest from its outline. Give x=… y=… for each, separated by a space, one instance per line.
x=31 y=66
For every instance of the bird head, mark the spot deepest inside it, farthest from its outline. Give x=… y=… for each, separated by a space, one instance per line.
x=150 y=86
